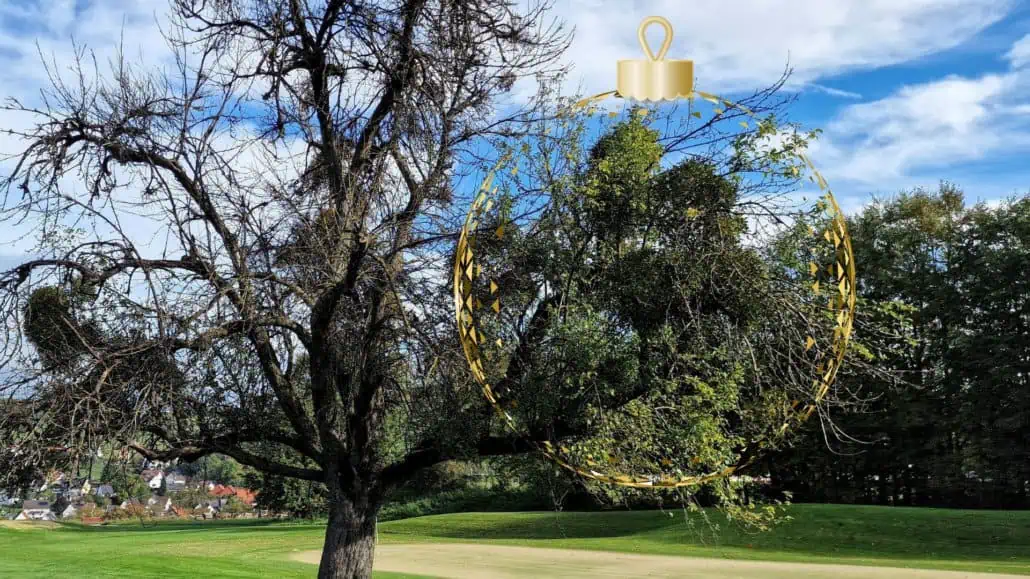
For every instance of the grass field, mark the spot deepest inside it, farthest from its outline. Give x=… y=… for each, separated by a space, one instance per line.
x=994 y=541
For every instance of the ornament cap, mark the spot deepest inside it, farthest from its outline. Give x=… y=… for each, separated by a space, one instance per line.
x=656 y=78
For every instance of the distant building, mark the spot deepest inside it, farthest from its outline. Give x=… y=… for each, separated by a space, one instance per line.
x=156 y=510
x=246 y=496
x=221 y=491
x=759 y=480
x=175 y=482
x=35 y=511
x=72 y=510
x=154 y=464
x=209 y=509
x=105 y=491
x=153 y=478
x=75 y=490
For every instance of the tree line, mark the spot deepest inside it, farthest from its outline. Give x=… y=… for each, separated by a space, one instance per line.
x=952 y=427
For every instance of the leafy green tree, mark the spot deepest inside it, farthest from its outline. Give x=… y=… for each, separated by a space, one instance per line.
x=90 y=511
x=47 y=495
x=190 y=497
x=297 y=498
x=127 y=484
x=218 y=468
x=986 y=349
x=943 y=283
x=59 y=505
x=644 y=331
x=98 y=501
x=137 y=511
x=234 y=507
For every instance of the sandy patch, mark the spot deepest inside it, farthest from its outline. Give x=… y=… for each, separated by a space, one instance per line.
x=465 y=561
x=27 y=525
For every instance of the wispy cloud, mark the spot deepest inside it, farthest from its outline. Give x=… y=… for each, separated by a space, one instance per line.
x=745 y=44
x=1019 y=55
x=833 y=91
x=933 y=126
x=737 y=45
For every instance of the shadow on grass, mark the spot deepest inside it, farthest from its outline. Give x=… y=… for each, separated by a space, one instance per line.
x=538 y=525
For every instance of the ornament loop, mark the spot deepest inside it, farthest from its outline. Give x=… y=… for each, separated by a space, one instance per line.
x=665 y=43
x=654 y=78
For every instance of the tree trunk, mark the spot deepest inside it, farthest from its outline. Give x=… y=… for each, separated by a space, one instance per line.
x=349 y=541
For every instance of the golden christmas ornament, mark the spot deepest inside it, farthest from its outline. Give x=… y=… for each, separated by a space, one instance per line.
x=657 y=79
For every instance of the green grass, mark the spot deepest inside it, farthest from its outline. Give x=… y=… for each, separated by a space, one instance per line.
x=230 y=549
x=989 y=541
x=995 y=541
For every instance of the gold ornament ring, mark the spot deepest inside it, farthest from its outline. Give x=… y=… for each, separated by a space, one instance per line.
x=841 y=290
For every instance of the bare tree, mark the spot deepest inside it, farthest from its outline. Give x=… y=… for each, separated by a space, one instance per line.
x=298 y=167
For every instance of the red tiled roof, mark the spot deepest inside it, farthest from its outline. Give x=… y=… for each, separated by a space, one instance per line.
x=245 y=495
x=223 y=491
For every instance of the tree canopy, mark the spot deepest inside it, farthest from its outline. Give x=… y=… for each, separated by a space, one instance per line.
x=641 y=332
x=948 y=279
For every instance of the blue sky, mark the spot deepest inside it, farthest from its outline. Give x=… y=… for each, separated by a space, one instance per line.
x=908 y=92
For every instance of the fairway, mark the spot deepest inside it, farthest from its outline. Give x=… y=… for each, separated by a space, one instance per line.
x=859 y=537
x=462 y=561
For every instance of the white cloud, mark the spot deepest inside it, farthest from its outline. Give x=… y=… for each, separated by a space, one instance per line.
x=935 y=126
x=100 y=25
x=34 y=32
x=937 y=123
x=1019 y=55
x=834 y=91
x=745 y=44
x=735 y=44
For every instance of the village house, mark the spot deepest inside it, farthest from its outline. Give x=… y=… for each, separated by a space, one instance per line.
x=75 y=490
x=157 y=510
x=130 y=503
x=105 y=491
x=153 y=478
x=72 y=510
x=209 y=509
x=175 y=482
x=246 y=496
x=159 y=504
x=35 y=511
x=155 y=504
x=154 y=464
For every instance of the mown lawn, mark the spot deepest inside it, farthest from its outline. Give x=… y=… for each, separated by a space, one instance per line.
x=236 y=549
x=997 y=541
